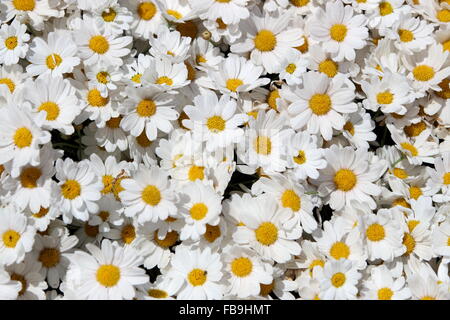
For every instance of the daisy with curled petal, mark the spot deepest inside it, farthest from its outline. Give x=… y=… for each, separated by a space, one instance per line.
x=381 y=235
x=78 y=189
x=141 y=147
x=382 y=285
x=268 y=39
x=319 y=103
x=339 y=280
x=158 y=290
x=20 y=138
x=202 y=206
x=340 y=32
x=147 y=17
x=177 y=11
x=304 y=156
x=41 y=218
x=265 y=232
x=56 y=98
x=427 y=68
x=196 y=274
x=9 y=289
x=56 y=56
x=349 y=175
x=169 y=45
x=51 y=252
x=96 y=44
x=391 y=93
x=165 y=75
x=148 y=195
x=358 y=129
x=115 y=18
x=108 y=272
x=290 y=195
x=214 y=120
x=13 y=44
x=17 y=237
x=237 y=74
x=205 y=54
x=133 y=69
x=229 y=11
x=245 y=271
x=32 y=282
x=148 y=110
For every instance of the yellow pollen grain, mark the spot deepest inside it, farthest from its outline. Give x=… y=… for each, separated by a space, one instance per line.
x=328 y=67
x=52 y=110
x=405 y=35
x=198 y=211
x=423 y=73
x=339 y=250
x=265 y=40
x=95 y=99
x=266 y=233
x=375 y=232
x=320 y=104
x=385 y=97
x=108 y=275
x=10 y=238
x=215 y=124
x=290 y=199
x=338 y=32
x=197 y=277
x=146 y=10
x=99 y=44
x=385 y=8
x=24 y=5
x=345 y=180
x=109 y=15
x=29 y=177
x=338 y=279
x=11 y=43
x=300 y=158
x=71 y=189
x=262 y=145
x=385 y=294
x=146 y=108
x=241 y=267
x=233 y=84
x=151 y=195
x=23 y=138
x=196 y=173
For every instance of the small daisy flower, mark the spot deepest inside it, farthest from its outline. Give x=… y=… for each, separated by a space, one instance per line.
x=169 y=45
x=13 y=44
x=339 y=281
x=165 y=75
x=32 y=282
x=9 y=288
x=387 y=13
x=115 y=18
x=147 y=17
x=383 y=286
x=440 y=177
x=358 y=129
x=229 y=12
x=105 y=77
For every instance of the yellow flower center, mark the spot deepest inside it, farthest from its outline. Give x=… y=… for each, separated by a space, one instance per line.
x=409 y=147
x=49 y=257
x=22 y=280
x=9 y=83
x=348 y=126
x=91 y=231
x=24 y=5
x=191 y=71
x=291 y=68
x=104 y=215
x=409 y=243
x=299 y=3
x=405 y=35
x=29 y=177
x=41 y=213
x=215 y=124
x=300 y=158
x=136 y=78
x=198 y=211
x=446 y=45
x=196 y=173
x=10 y=238
x=99 y=44
x=70 y=189
x=109 y=15
x=143 y=141
x=315 y=263
x=170 y=239
x=328 y=67
x=265 y=40
x=345 y=180
x=385 y=8
x=151 y=195
x=146 y=108
x=146 y=10
x=446 y=178
x=200 y=59
x=385 y=97
x=114 y=123
x=423 y=73
x=241 y=267
x=51 y=108
x=157 y=294
x=413 y=130
x=197 y=277
x=164 y=80
x=262 y=145
x=267 y=233
x=95 y=99
x=339 y=250
x=401 y=202
x=53 y=61
x=174 y=13
x=233 y=84
x=187 y=29
x=223 y=1
x=128 y=234
x=212 y=233
x=412 y=224
x=304 y=47
x=415 y=192
x=266 y=289
x=108 y=275
x=338 y=32
x=443 y=15
x=445 y=89
x=23 y=137
x=375 y=232
x=272 y=99
x=338 y=279
x=320 y=104
x=428 y=298
x=103 y=77
x=400 y=173
x=291 y=200
x=385 y=294
x=11 y=43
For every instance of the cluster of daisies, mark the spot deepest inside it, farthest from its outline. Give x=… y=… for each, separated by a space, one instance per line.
x=224 y=149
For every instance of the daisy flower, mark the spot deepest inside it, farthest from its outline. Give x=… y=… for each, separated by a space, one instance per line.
x=165 y=75
x=158 y=290
x=147 y=17
x=206 y=55
x=440 y=238
x=214 y=120
x=104 y=77
x=178 y=11
x=9 y=288
x=148 y=110
x=32 y=282
x=268 y=39
x=264 y=230
x=13 y=44
x=148 y=195
x=319 y=103
x=229 y=11
x=133 y=69
x=108 y=272
x=339 y=280
x=383 y=286
x=339 y=31
x=78 y=189
x=358 y=129
x=387 y=13
x=196 y=274
x=169 y=45
x=292 y=67
x=350 y=175
x=202 y=207
x=17 y=237
x=115 y=18
x=440 y=177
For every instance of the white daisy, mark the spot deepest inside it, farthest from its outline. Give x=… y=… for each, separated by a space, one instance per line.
x=13 y=44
